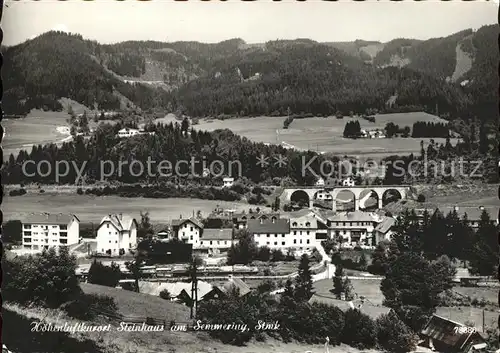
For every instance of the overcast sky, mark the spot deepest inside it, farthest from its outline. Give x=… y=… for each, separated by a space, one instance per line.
x=109 y=21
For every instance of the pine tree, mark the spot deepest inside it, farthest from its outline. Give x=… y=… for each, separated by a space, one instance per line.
x=304 y=284
x=338 y=282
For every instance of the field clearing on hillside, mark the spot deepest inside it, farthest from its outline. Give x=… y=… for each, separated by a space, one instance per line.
x=324 y=134
x=90 y=208
x=38 y=127
x=369 y=288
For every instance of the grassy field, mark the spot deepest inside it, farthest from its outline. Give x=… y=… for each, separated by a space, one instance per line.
x=323 y=134
x=90 y=208
x=138 y=304
x=38 y=127
x=370 y=289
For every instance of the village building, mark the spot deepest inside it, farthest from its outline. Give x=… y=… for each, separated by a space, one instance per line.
x=228 y=182
x=307 y=229
x=217 y=239
x=45 y=230
x=233 y=286
x=116 y=235
x=273 y=233
x=383 y=231
x=354 y=228
x=240 y=220
x=444 y=335
x=128 y=132
x=188 y=230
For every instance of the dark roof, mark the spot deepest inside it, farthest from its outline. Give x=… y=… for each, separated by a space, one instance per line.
x=444 y=330
x=179 y=222
x=385 y=225
x=279 y=226
x=120 y=222
x=243 y=217
x=355 y=216
x=217 y=234
x=48 y=218
x=365 y=307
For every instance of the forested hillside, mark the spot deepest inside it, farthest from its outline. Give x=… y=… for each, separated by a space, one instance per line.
x=236 y=78
x=56 y=65
x=311 y=78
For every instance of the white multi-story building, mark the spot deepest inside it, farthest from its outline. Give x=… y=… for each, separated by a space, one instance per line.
x=228 y=182
x=44 y=230
x=116 y=234
x=273 y=233
x=307 y=229
x=188 y=230
x=128 y=132
x=217 y=239
x=354 y=228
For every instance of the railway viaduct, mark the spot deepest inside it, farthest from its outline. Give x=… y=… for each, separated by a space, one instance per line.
x=312 y=193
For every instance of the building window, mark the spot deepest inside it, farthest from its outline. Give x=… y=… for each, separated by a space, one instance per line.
x=267 y=243
x=27 y=233
x=268 y=235
x=107 y=225
x=191 y=229
x=283 y=243
x=308 y=224
x=275 y=243
x=63 y=227
x=307 y=232
x=294 y=232
x=110 y=241
x=295 y=241
x=283 y=235
x=307 y=241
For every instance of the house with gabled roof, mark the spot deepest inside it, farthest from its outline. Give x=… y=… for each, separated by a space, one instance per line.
x=215 y=238
x=272 y=232
x=233 y=286
x=116 y=234
x=444 y=335
x=188 y=230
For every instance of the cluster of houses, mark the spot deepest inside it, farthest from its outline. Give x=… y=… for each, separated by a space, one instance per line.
x=373 y=134
x=299 y=231
x=129 y=132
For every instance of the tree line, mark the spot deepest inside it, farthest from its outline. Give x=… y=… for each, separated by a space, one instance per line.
x=430 y=129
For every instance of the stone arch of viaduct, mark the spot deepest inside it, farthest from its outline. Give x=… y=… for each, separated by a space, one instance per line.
x=404 y=191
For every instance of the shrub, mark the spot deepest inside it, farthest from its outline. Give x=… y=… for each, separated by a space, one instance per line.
x=393 y=335
x=359 y=330
x=165 y=294
x=421 y=198
x=48 y=278
x=277 y=255
x=104 y=275
x=79 y=191
x=17 y=192
x=88 y=306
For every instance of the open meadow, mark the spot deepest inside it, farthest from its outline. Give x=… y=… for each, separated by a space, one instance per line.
x=370 y=289
x=90 y=208
x=324 y=134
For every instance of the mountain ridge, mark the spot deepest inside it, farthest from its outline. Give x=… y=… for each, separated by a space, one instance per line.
x=152 y=73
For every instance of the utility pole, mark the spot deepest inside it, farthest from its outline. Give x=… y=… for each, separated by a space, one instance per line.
x=194 y=288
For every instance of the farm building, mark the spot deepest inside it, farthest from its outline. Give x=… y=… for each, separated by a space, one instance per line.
x=445 y=335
